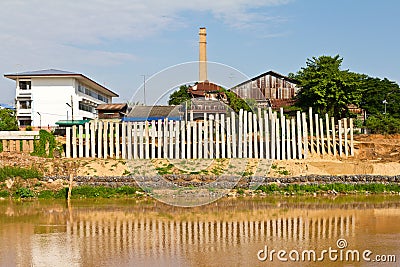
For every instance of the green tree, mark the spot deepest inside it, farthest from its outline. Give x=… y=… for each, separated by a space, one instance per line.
x=327 y=88
x=8 y=121
x=236 y=103
x=180 y=96
x=375 y=91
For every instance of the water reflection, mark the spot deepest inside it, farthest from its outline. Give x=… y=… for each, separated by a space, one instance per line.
x=229 y=232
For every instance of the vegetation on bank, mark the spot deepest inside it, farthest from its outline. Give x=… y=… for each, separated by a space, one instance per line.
x=336 y=188
x=89 y=192
x=7 y=172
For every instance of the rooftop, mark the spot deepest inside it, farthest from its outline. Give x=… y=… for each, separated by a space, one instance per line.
x=61 y=73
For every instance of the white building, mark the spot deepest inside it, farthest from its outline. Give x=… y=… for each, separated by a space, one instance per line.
x=44 y=97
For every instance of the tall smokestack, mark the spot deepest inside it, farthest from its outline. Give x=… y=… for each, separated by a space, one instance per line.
x=202 y=54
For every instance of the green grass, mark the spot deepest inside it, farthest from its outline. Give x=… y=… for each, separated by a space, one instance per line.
x=25 y=173
x=338 y=187
x=4 y=193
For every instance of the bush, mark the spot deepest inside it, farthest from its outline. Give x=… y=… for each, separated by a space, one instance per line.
x=24 y=192
x=4 y=193
x=25 y=173
x=381 y=124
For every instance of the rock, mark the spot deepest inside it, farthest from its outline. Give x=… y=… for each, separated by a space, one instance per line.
x=50 y=180
x=9 y=183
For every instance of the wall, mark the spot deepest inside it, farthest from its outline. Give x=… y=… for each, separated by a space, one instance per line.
x=49 y=98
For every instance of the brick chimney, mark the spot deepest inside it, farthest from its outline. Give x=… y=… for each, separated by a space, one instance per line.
x=202 y=55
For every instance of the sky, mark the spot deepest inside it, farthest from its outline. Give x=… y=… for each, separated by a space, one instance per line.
x=117 y=42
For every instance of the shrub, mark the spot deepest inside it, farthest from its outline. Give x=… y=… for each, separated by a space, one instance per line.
x=24 y=192
x=25 y=173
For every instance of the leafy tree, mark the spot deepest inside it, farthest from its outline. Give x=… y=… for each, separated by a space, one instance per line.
x=8 y=121
x=327 y=88
x=236 y=103
x=180 y=96
x=375 y=91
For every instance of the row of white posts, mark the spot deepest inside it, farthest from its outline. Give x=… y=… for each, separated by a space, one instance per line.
x=266 y=134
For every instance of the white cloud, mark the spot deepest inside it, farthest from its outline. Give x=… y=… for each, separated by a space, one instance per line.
x=92 y=21
x=65 y=34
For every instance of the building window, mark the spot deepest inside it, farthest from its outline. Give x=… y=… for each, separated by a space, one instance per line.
x=86 y=107
x=92 y=93
x=25 y=123
x=25 y=104
x=25 y=85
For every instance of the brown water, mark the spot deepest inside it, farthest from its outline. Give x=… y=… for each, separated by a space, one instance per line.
x=229 y=232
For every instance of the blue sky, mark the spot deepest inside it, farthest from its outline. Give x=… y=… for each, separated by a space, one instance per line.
x=115 y=42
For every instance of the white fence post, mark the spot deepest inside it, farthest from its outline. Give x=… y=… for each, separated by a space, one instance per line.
x=68 y=142
x=123 y=140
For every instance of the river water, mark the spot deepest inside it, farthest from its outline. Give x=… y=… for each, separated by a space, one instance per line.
x=229 y=232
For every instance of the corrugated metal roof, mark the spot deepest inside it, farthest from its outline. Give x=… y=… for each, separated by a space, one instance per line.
x=154 y=111
x=115 y=106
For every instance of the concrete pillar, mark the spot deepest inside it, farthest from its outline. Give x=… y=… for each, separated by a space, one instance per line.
x=123 y=140
x=267 y=135
x=171 y=139
x=74 y=153
x=211 y=139
x=159 y=138
x=153 y=139
x=177 y=139
x=261 y=133
x=117 y=140
x=283 y=136
x=183 y=145
x=135 y=129
x=67 y=142
x=129 y=133
x=80 y=130
x=146 y=140
x=351 y=138
x=299 y=139
x=273 y=137
x=200 y=140
x=277 y=135
x=333 y=136
x=317 y=131
x=255 y=137
x=294 y=147
x=305 y=135
x=206 y=152
x=223 y=140
x=328 y=135
x=250 y=134
x=194 y=147
x=165 y=139
x=112 y=140
x=245 y=137
x=87 y=140
x=229 y=143
x=189 y=140
x=141 y=137
x=288 y=150
x=234 y=140
x=240 y=134
x=217 y=137
x=105 y=139
x=310 y=118
x=346 y=144
x=321 y=128
x=340 y=138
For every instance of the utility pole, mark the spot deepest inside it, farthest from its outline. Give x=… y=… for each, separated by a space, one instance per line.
x=144 y=88
x=40 y=120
